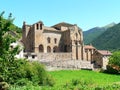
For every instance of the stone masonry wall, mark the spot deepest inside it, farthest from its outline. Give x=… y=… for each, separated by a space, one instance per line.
x=54 y=56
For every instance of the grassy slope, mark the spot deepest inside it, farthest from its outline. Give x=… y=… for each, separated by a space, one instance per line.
x=98 y=78
x=66 y=76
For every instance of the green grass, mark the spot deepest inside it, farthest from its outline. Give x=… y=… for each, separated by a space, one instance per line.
x=78 y=80
x=98 y=78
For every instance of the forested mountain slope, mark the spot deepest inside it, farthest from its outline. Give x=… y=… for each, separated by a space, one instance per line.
x=109 y=40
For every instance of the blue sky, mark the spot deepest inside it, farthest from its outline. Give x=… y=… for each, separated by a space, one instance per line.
x=85 y=13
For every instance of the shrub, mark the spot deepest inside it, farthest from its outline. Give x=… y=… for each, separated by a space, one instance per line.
x=115 y=58
x=23 y=71
x=23 y=82
x=42 y=77
x=114 y=63
x=50 y=80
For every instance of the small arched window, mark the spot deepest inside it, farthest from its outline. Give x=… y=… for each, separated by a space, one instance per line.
x=48 y=39
x=55 y=40
x=37 y=26
x=48 y=49
x=41 y=48
x=41 y=26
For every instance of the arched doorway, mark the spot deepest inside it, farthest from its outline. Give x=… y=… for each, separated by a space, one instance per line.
x=55 y=49
x=48 y=49
x=41 y=48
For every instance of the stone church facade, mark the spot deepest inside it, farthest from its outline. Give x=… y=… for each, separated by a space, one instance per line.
x=60 y=42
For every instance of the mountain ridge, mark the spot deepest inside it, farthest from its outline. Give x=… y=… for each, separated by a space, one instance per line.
x=93 y=33
x=109 y=39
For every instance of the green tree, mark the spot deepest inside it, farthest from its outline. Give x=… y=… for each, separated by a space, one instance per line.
x=114 y=63
x=7 y=54
x=115 y=58
x=13 y=70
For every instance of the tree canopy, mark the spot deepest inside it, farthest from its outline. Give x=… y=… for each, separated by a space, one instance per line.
x=115 y=58
x=13 y=70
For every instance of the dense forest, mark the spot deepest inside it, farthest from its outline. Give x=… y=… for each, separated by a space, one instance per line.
x=93 y=33
x=109 y=39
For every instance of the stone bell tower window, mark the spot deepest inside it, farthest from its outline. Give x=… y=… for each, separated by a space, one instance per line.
x=41 y=26
x=37 y=26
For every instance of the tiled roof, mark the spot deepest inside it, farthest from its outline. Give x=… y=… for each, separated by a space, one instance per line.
x=51 y=29
x=89 y=47
x=105 y=52
x=63 y=24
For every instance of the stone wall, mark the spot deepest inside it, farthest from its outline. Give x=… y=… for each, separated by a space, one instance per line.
x=54 y=56
x=59 y=60
x=69 y=64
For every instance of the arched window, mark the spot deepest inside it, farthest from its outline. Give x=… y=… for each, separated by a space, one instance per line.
x=55 y=40
x=55 y=49
x=48 y=49
x=41 y=48
x=37 y=26
x=40 y=26
x=48 y=39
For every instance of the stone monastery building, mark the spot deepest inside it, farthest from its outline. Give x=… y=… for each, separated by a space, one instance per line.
x=61 y=43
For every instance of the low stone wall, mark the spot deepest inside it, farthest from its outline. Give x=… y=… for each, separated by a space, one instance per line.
x=59 y=60
x=54 y=56
x=69 y=64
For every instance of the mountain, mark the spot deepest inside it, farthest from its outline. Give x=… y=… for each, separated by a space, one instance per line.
x=93 y=33
x=109 y=40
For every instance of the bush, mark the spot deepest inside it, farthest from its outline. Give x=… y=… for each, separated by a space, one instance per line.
x=114 y=63
x=42 y=77
x=111 y=69
x=23 y=82
x=24 y=71
x=115 y=58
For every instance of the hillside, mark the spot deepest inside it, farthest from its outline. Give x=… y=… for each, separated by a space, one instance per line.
x=110 y=39
x=93 y=33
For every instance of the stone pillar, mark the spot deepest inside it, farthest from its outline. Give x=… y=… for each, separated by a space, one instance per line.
x=36 y=49
x=45 y=48
x=79 y=52
x=82 y=53
x=73 y=52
